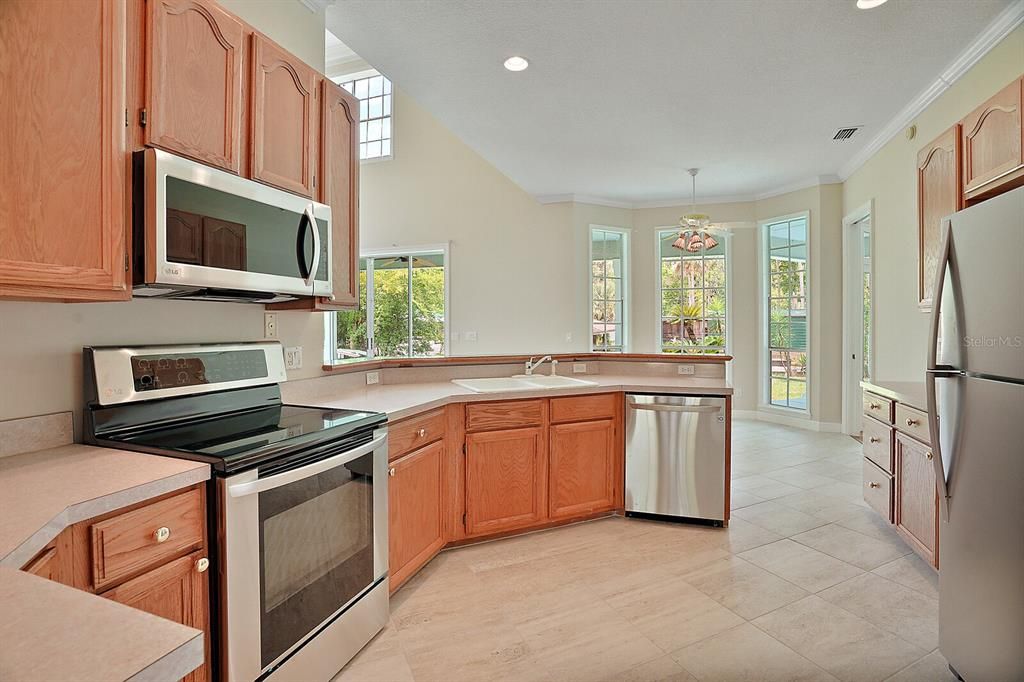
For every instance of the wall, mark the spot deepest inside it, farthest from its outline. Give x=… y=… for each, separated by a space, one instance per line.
x=41 y=343
x=889 y=178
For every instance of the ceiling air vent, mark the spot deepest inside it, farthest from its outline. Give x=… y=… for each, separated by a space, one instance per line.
x=844 y=134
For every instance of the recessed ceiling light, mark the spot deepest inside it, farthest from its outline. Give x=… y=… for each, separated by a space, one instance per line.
x=869 y=4
x=516 y=64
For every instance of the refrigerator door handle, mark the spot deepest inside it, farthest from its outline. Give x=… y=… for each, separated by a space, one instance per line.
x=934 y=371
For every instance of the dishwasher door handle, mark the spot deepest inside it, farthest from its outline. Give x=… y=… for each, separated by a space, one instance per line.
x=660 y=407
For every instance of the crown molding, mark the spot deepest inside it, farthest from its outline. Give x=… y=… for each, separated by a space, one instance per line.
x=317 y=6
x=1007 y=20
x=582 y=199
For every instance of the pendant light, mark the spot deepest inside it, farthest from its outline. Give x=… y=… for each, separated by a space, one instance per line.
x=693 y=227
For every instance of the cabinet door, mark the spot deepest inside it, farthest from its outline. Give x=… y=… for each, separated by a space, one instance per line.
x=223 y=244
x=184 y=237
x=581 y=469
x=63 y=150
x=505 y=480
x=992 y=142
x=416 y=525
x=339 y=188
x=282 y=118
x=176 y=591
x=938 y=195
x=194 y=81
x=917 y=502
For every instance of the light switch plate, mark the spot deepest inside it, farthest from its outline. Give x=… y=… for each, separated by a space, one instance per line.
x=686 y=369
x=293 y=357
x=372 y=378
x=579 y=368
x=270 y=325
x=470 y=336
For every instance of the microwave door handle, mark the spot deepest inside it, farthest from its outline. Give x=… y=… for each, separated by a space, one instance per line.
x=311 y=215
x=285 y=477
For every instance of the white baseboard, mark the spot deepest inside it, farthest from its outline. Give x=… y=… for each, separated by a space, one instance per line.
x=786 y=420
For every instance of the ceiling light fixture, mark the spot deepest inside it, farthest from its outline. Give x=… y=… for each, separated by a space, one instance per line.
x=870 y=4
x=693 y=233
x=516 y=63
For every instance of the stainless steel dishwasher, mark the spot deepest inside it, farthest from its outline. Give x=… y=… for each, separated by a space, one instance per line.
x=675 y=456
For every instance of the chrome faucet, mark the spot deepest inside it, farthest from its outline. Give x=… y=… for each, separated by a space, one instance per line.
x=531 y=365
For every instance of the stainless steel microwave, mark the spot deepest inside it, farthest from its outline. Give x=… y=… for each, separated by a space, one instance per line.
x=202 y=233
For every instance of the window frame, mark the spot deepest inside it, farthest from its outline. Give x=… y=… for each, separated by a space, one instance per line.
x=764 y=308
x=330 y=319
x=726 y=234
x=626 y=234
x=370 y=73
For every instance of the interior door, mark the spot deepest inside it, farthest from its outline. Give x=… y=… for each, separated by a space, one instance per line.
x=194 y=81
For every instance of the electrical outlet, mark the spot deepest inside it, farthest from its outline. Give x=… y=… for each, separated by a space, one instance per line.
x=470 y=336
x=372 y=378
x=270 y=325
x=293 y=357
x=579 y=368
x=686 y=369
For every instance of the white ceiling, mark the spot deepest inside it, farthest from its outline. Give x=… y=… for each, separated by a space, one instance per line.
x=623 y=95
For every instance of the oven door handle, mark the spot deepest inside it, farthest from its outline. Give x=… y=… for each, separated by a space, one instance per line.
x=286 y=477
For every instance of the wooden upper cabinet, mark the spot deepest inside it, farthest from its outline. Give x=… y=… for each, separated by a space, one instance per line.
x=582 y=469
x=938 y=195
x=993 y=156
x=505 y=480
x=917 y=502
x=194 y=81
x=416 y=522
x=339 y=188
x=283 y=118
x=63 y=150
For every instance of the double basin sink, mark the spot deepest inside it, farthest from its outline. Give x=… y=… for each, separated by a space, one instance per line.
x=521 y=382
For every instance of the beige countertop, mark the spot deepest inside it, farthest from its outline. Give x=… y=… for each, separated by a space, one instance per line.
x=52 y=632
x=908 y=392
x=403 y=400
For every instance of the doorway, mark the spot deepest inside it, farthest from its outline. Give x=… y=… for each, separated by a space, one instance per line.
x=858 y=312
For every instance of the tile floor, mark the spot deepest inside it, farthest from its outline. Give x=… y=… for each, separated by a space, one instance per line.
x=806 y=584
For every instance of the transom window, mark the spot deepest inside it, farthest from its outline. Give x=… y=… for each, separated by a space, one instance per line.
x=374 y=94
x=609 y=255
x=784 y=248
x=692 y=294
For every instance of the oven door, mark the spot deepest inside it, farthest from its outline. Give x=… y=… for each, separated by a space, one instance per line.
x=302 y=547
x=207 y=229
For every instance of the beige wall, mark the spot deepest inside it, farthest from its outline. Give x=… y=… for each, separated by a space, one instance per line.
x=889 y=178
x=288 y=23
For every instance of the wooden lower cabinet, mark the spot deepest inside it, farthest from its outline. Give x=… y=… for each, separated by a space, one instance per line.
x=917 y=502
x=177 y=591
x=581 y=471
x=416 y=518
x=506 y=475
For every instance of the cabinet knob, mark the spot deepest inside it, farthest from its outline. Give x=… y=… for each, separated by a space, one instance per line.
x=874 y=406
x=872 y=484
x=421 y=433
x=162 y=534
x=872 y=439
x=928 y=456
x=202 y=564
x=912 y=422
x=391 y=471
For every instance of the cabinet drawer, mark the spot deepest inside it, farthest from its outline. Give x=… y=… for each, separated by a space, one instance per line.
x=878 y=489
x=415 y=432
x=878 y=443
x=878 y=407
x=913 y=422
x=584 y=407
x=137 y=540
x=503 y=415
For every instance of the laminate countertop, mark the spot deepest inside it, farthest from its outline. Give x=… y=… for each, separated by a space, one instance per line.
x=404 y=400
x=910 y=393
x=54 y=632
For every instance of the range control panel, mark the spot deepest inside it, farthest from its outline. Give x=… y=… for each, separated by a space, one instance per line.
x=153 y=372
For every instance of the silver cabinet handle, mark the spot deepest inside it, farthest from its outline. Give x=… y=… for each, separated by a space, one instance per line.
x=162 y=534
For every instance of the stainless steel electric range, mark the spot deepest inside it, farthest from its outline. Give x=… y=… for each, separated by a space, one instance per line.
x=298 y=499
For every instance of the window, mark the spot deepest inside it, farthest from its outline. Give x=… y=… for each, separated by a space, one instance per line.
x=403 y=303
x=787 y=284
x=692 y=294
x=374 y=94
x=609 y=254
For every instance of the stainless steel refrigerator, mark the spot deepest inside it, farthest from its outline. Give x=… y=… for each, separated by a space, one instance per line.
x=975 y=385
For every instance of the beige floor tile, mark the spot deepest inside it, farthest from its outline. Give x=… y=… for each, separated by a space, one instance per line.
x=743 y=498
x=852 y=547
x=748 y=482
x=800 y=565
x=392 y=668
x=931 y=668
x=892 y=607
x=800 y=479
x=871 y=523
x=779 y=518
x=775 y=489
x=846 y=645
x=911 y=571
x=746 y=654
x=663 y=669
x=744 y=588
x=742 y=535
x=819 y=504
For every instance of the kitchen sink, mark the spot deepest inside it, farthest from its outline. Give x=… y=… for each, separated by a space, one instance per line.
x=521 y=382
